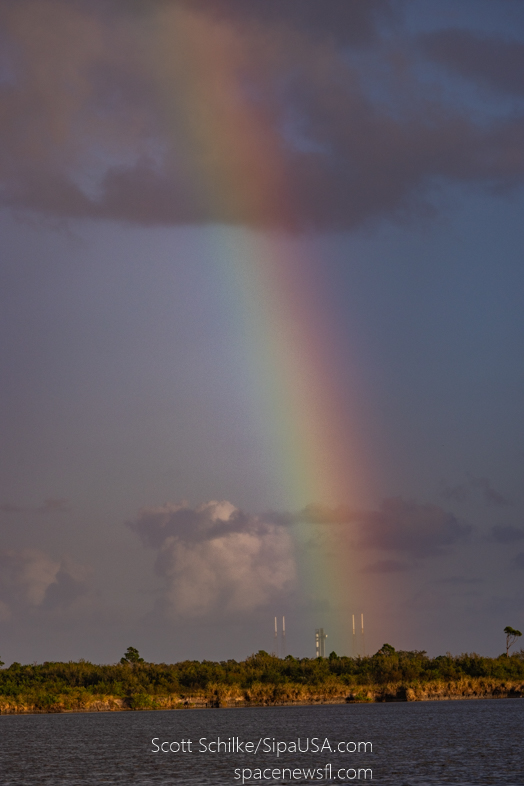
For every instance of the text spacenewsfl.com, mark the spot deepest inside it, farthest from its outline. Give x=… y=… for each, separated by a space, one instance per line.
x=274 y=747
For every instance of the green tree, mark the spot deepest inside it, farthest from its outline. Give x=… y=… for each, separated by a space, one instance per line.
x=132 y=655
x=386 y=649
x=511 y=637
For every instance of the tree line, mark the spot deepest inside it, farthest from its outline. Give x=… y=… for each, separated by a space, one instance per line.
x=133 y=675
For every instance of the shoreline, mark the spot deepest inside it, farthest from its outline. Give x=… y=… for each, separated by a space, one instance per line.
x=271 y=696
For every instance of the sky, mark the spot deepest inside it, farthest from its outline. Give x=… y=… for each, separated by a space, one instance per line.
x=262 y=333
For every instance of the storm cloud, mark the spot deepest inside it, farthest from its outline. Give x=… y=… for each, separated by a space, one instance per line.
x=243 y=113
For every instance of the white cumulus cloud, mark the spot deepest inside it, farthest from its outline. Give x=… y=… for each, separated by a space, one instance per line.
x=215 y=559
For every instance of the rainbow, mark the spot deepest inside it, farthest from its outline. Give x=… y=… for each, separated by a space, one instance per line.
x=235 y=155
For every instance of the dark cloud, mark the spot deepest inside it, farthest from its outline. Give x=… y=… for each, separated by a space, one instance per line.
x=518 y=561
x=404 y=526
x=506 y=534
x=458 y=580
x=459 y=493
x=214 y=519
x=492 y=497
x=215 y=560
x=387 y=566
x=494 y=61
x=411 y=528
x=463 y=492
x=229 y=112
x=344 y=21
x=70 y=583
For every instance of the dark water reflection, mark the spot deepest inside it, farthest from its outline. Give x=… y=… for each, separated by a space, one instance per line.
x=459 y=742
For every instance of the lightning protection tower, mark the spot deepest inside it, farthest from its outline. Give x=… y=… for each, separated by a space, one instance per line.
x=283 y=653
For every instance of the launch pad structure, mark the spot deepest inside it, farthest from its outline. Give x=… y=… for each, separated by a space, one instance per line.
x=320 y=643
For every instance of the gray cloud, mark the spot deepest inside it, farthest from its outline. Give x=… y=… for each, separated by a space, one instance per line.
x=494 y=61
x=387 y=566
x=464 y=492
x=30 y=580
x=412 y=528
x=459 y=493
x=403 y=526
x=345 y=21
x=71 y=582
x=506 y=534
x=216 y=560
x=94 y=126
x=518 y=561
x=492 y=497
x=208 y=521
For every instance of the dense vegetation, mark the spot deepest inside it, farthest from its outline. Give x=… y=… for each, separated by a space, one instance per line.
x=133 y=680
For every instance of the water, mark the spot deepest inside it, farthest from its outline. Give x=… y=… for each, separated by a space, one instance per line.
x=414 y=744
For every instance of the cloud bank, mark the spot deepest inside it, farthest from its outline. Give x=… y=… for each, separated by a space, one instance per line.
x=402 y=526
x=255 y=113
x=214 y=559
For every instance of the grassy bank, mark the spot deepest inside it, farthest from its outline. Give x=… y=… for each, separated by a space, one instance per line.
x=261 y=679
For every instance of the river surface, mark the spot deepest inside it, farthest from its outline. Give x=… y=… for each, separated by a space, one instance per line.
x=413 y=744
